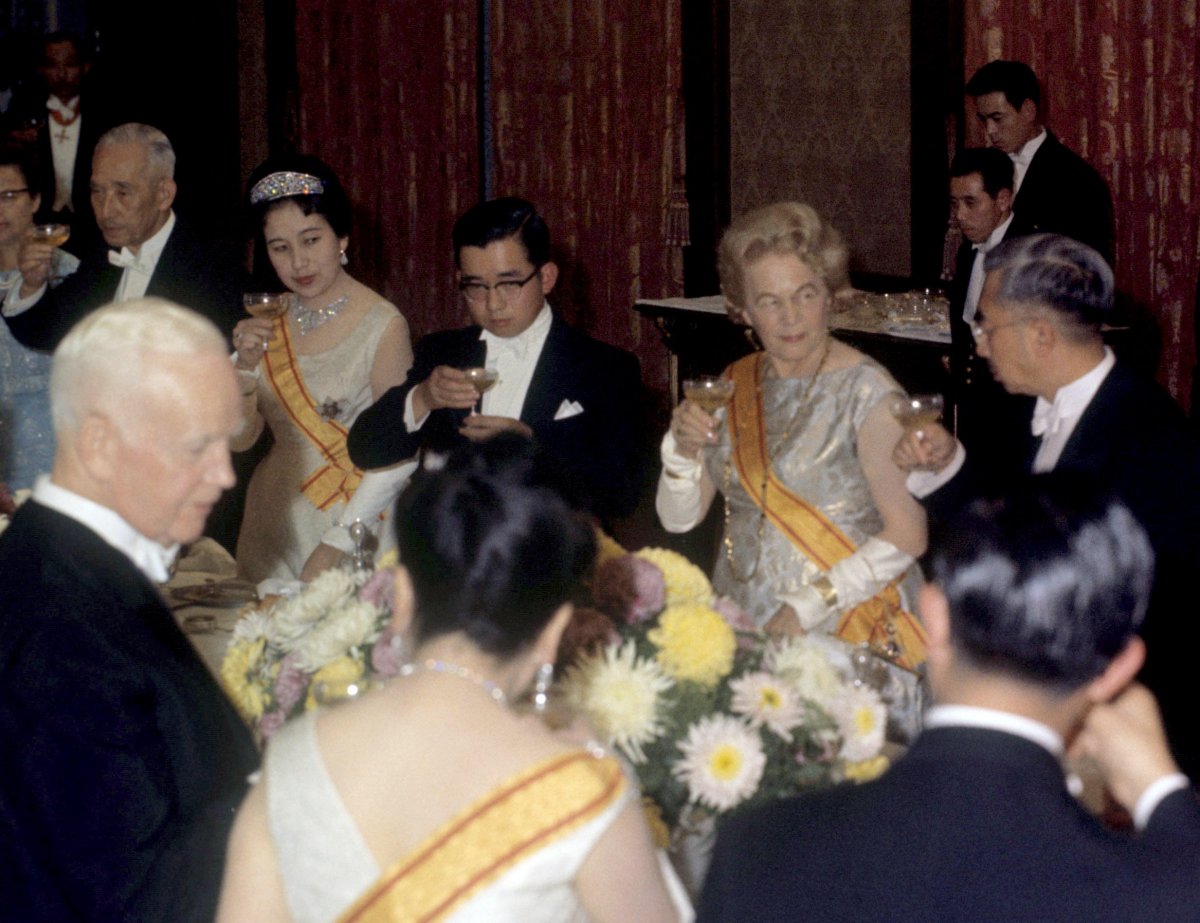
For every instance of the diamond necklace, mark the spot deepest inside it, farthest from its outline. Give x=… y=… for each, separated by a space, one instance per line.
x=309 y=319
x=432 y=665
x=801 y=406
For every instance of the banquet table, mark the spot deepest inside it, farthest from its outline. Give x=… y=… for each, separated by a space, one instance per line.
x=207 y=599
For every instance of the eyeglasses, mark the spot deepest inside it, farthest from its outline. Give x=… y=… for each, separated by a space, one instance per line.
x=10 y=195
x=984 y=335
x=507 y=290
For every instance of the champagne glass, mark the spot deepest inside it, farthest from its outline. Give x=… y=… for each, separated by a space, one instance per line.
x=916 y=411
x=709 y=392
x=481 y=380
x=268 y=304
x=53 y=234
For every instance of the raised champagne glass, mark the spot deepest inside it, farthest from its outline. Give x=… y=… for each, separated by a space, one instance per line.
x=708 y=392
x=269 y=305
x=481 y=380
x=53 y=234
x=916 y=411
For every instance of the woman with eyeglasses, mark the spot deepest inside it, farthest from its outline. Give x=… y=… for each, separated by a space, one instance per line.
x=307 y=373
x=26 y=431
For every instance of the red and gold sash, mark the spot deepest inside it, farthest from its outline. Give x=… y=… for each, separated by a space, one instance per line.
x=880 y=620
x=522 y=816
x=337 y=478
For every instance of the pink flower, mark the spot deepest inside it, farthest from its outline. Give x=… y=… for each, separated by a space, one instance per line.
x=733 y=614
x=270 y=723
x=290 y=684
x=387 y=657
x=651 y=590
x=378 y=589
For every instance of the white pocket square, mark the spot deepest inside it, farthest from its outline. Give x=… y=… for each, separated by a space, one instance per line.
x=568 y=409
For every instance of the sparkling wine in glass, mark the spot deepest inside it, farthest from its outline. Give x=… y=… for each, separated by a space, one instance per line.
x=53 y=234
x=482 y=379
x=268 y=304
x=916 y=411
x=708 y=392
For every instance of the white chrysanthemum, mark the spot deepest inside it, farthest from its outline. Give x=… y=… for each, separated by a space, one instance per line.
x=862 y=719
x=348 y=627
x=292 y=619
x=722 y=763
x=619 y=693
x=250 y=627
x=765 y=699
x=806 y=666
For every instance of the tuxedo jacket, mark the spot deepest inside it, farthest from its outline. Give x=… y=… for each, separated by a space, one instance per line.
x=93 y=123
x=189 y=272
x=122 y=762
x=599 y=449
x=1062 y=193
x=970 y=826
x=988 y=420
x=1134 y=441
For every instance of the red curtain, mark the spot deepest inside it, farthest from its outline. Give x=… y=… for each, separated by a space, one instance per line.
x=1119 y=86
x=586 y=124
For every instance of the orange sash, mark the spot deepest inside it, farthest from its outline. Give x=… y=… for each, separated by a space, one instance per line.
x=880 y=620
x=522 y=816
x=337 y=479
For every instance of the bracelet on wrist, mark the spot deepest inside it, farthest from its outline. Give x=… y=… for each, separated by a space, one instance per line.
x=825 y=588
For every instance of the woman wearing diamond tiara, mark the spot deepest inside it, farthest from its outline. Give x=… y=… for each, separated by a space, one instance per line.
x=428 y=798
x=821 y=534
x=308 y=374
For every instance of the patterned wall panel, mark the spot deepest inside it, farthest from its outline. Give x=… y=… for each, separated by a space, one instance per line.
x=820 y=112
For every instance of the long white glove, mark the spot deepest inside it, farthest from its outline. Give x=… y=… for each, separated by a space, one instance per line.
x=678 y=500
x=376 y=492
x=855 y=579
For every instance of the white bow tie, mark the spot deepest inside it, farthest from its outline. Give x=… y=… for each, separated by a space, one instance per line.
x=126 y=259
x=57 y=105
x=514 y=347
x=1046 y=419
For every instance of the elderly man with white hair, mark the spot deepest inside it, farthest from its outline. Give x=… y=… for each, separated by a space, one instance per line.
x=152 y=253
x=122 y=760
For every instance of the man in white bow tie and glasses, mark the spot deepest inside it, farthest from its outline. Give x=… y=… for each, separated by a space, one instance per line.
x=148 y=251
x=1045 y=298
x=578 y=397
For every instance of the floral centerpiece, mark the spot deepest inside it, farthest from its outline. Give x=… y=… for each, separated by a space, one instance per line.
x=290 y=654
x=711 y=713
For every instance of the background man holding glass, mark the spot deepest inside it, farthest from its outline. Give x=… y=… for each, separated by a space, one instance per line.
x=576 y=396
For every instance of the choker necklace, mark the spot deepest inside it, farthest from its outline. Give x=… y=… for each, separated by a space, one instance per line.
x=441 y=666
x=309 y=319
x=801 y=407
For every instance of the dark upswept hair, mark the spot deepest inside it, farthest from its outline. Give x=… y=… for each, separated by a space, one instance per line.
x=24 y=157
x=995 y=168
x=783 y=227
x=1015 y=79
x=492 y=546
x=1057 y=273
x=1047 y=583
x=500 y=219
x=333 y=204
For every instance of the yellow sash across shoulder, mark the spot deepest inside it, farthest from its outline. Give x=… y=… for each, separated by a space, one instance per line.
x=337 y=478
x=880 y=620
x=521 y=816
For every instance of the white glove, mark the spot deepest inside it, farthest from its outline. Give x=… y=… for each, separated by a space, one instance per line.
x=376 y=492
x=678 y=498
x=855 y=579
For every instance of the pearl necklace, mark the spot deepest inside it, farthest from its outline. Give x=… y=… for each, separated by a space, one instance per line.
x=309 y=319
x=431 y=665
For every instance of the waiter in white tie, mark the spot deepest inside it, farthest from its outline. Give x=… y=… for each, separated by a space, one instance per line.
x=1038 y=324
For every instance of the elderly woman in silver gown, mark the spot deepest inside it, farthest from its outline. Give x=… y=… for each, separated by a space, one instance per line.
x=820 y=534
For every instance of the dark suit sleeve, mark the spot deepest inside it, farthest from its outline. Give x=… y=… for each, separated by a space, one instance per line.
x=1175 y=823
x=59 y=309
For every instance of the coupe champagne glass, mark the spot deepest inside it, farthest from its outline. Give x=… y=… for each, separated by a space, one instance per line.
x=53 y=234
x=708 y=392
x=481 y=380
x=268 y=304
x=916 y=411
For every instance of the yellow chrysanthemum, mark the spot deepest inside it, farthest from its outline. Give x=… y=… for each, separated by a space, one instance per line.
x=685 y=582
x=241 y=675
x=607 y=547
x=694 y=643
x=338 y=679
x=389 y=558
x=866 y=770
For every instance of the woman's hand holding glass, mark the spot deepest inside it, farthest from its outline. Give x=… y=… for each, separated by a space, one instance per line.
x=250 y=338
x=693 y=429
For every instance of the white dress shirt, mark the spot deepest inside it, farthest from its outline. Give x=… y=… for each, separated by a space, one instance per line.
x=147 y=555
x=64 y=147
x=1022 y=158
x=943 y=716
x=975 y=283
x=1055 y=421
x=514 y=358
x=138 y=269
